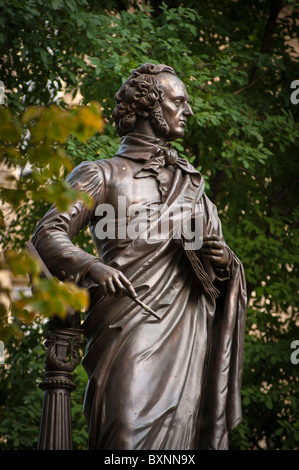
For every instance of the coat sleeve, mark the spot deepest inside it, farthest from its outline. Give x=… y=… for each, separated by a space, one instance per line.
x=212 y=225
x=54 y=233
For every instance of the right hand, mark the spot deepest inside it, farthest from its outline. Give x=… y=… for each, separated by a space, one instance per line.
x=111 y=281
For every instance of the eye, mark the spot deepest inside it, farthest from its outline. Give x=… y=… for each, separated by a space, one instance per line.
x=177 y=103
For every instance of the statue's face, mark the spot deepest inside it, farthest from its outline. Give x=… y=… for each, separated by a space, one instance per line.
x=175 y=107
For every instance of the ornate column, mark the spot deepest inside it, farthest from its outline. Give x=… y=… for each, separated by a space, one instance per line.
x=62 y=357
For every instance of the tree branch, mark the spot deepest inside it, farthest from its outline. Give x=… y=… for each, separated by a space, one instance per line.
x=249 y=85
x=275 y=8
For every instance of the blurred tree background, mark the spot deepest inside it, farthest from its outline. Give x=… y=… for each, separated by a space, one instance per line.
x=238 y=60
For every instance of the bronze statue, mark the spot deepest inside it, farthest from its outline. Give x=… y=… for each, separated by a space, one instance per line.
x=170 y=381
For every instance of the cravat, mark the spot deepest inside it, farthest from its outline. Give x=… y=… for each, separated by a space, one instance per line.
x=168 y=156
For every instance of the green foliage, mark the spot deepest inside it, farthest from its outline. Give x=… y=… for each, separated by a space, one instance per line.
x=44 y=45
x=80 y=430
x=36 y=142
x=238 y=61
x=49 y=296
x=20 y=397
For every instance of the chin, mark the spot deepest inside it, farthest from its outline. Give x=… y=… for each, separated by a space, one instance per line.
x=176 y=135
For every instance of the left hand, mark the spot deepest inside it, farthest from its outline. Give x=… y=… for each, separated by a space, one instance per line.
x=214 y=249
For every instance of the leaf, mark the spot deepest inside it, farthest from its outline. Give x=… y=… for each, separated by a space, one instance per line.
x=268 y=402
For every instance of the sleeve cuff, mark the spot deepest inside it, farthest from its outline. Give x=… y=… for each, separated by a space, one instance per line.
x=85 y=278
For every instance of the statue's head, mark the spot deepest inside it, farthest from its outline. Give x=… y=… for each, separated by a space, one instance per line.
x=143 y=95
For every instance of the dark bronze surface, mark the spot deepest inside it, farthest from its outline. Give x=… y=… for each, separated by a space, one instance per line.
x=171 y=382
x=61 y=359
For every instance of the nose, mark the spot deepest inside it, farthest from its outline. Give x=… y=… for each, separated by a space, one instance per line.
x=188 y=111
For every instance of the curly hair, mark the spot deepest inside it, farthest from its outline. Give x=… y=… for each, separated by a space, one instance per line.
x=141 y=94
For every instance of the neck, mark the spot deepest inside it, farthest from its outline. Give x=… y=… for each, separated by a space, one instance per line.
x=143 y=126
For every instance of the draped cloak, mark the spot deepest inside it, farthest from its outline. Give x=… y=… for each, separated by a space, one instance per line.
x=156 y=384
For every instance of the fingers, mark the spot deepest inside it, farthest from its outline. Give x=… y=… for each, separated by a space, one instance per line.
x=213 y=248
x=211 y=252
x=127 y=284
x=212 y=236
x=216 y=260
x=119 y=286
x=111 y=281
x=213 y=241
x=110 y=286
x=105 y=288
x=116 y=285
x=212 y=245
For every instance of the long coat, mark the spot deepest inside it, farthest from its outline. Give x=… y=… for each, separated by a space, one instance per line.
x=168 y=383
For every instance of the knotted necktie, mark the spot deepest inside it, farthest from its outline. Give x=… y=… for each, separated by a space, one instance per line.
x=168 y=156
